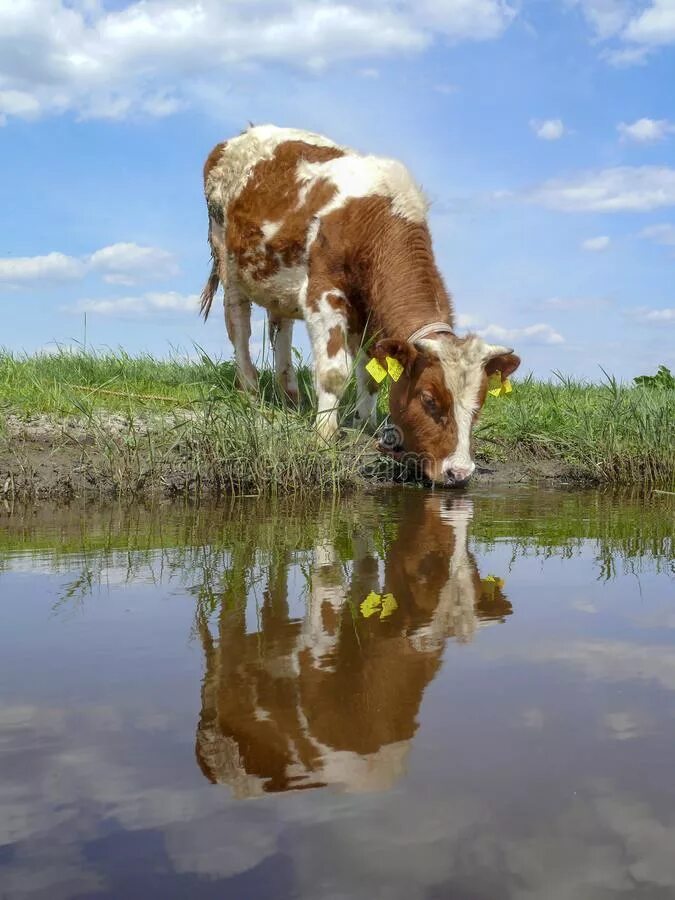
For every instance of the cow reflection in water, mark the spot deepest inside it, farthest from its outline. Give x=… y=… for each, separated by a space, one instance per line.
x=333 y=699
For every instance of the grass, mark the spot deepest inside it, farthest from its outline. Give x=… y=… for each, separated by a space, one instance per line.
x=133 y=422
x=130 y=424
x=607 y=433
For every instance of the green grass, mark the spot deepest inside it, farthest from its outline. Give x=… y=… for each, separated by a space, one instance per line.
x=608 y=433
x=183 y=424
x=138 y=423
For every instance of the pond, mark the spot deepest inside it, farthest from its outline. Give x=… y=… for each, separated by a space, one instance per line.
x=405 y=695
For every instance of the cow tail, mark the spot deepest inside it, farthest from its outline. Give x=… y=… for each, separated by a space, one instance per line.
x=213 y=281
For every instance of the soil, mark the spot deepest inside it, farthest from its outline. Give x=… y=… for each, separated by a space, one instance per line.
x=45 y=459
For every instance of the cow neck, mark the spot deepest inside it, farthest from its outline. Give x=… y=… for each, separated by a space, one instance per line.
x=406 y=291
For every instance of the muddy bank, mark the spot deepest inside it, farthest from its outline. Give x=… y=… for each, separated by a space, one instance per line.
x=42 y=458
x=46 y=459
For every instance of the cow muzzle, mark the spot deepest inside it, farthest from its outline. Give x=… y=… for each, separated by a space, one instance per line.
x=458 y=476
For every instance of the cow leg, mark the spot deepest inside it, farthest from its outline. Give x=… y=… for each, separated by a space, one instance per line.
x=327 y=595
x=238 y=322
x=281 y=338
x=326 y=319
x=366 y=394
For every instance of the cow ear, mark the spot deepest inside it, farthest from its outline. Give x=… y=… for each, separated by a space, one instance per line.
x=503 y=360
x=404 y=352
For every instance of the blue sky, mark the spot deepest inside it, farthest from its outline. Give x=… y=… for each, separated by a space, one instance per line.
x=542 y=130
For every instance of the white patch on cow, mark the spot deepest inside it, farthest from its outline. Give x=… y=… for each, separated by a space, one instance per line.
x=280 y=293
x=363 y=772
x=229 y=175
x=269 y=229
x=455 y=612
x=357 y=176
x=217 y=234
x=331 y=372
x=312 y=233
x=463 y=369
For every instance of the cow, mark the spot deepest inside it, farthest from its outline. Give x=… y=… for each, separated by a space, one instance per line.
x=312 y=230
x=332 y=697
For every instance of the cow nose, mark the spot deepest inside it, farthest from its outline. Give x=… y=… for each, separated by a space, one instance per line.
x=458 y=476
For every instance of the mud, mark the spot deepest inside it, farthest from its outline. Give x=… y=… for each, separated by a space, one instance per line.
x=42 y=458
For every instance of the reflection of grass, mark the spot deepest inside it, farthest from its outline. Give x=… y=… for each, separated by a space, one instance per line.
x=183 y=426
x=625 y=529
x=218 y=553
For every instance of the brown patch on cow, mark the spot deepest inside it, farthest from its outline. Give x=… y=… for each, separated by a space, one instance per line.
x=336 y=341
x=337 y=302
x=329 y=618
x=383 y=264
x=272 y=194
x=213 y=159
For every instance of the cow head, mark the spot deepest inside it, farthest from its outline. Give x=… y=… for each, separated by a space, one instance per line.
x=438 y=397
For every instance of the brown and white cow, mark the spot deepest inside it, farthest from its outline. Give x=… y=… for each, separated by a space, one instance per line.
x=333 y=698
x=311 y=230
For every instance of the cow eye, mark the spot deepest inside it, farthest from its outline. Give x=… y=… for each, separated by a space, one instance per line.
x=429 y=401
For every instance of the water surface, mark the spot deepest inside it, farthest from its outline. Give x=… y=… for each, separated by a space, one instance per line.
x=413 y=694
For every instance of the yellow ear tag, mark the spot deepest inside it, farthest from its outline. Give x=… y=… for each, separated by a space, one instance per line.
x=491 y=584
x=371 y=605
x=394 y=368
x=389 y=605
x=497 y=387
x=376 y=370
x=492 y=579
x=495 y=384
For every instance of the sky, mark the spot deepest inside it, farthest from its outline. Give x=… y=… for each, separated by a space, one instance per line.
x=543 y=132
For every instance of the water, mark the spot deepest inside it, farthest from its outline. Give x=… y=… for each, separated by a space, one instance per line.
x=412 y=695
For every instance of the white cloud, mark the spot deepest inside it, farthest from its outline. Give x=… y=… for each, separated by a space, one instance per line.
x=655 y=25
x=597 y=244
x=465 y=321
x=655 y=316
x=142 y=306
x=541 y=333
x=621 y=726
x=51 y=267
x=615 y=661
x=646 y=131
x=624 y=57
x=476 y=20
x=663 y=234
x=148 y=56
x=606 y=17
x=124 y=263
x=17 y=103
x=549 y=129
x=620 y=189
x=635 y=27
x=127 y=263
